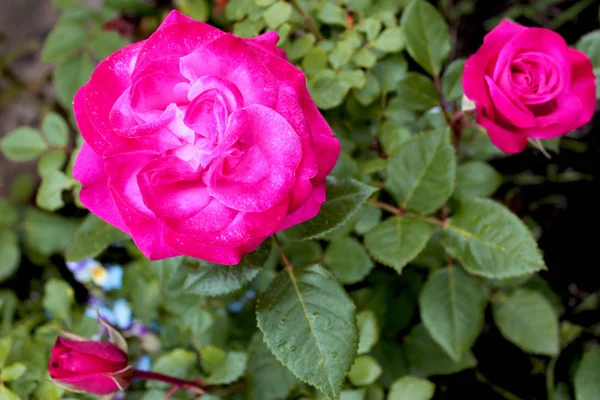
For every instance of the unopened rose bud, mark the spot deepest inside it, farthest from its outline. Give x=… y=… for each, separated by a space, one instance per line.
x=89 y=366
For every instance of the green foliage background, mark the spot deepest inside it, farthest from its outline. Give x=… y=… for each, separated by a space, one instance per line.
x=384 y=294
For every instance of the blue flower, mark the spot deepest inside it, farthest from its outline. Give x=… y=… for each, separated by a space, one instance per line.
x=83 y=271
x=143 y=363
x=113 y=279
x=122 y=311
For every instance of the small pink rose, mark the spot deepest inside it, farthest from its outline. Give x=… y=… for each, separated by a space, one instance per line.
x=89 y=366
x=200 y=143
x=527 y=83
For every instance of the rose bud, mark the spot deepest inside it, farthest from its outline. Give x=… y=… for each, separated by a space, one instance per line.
x=88 y=366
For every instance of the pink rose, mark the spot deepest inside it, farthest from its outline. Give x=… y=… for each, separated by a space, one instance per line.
x=89 y=366
x=527 y=83
x=200 y=143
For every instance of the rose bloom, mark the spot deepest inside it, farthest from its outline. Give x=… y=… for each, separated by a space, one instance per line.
x=200 y=143
x=527 y=83
x=84 y=365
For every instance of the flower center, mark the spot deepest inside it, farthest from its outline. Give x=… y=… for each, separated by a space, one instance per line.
x=535 y=77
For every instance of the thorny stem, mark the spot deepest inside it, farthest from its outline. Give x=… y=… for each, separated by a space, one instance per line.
x=402 y=213
x=454 y=123
x=287 y=262
x=310 y=23
x=194 y=387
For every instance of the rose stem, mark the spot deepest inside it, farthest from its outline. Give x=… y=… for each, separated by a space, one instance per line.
x=310 y=23
x=183 y=384
x=456 y=130
x=287 y=262
x=402 y=213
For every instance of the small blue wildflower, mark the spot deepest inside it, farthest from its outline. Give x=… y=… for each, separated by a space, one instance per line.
x=113 y=279
x=143 y=363
x=83 y=271
x=236 y=306
x=123 y=315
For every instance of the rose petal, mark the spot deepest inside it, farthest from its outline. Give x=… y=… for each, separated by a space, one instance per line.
x=93 y=383
x=280 y=146
x=308 y=210
x=95 y=195
x=178 y=37
x=562 y=120
x=232 y=59
x=156 y=91
x=109 y=80
x=583 y=84
x=87 y=129
x=102 y=350
x=267 y=42
x=507 y=141
x=180 y=195
x=512 y=113
x=226 y=255
x=475 y=67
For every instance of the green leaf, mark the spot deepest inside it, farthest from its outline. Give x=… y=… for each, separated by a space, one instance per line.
x=364 y=58
x=10 y=254
x=427 y=35
x=370 y=27
x=268 y=379
x=392 y=136
x=452 y=309
x=368 y=331
x=92 y=237
x=301 y=46
x=56 y=130
x=69 y=76
x=277 y=14
x=370 y=92
x=229 y=370
x=526 y=318
x=411 y=388
x=196 y=9
x=390 y=71
x=368 y=217
x=364 y=371
x=348 y=260
x=491 y=241
x=47 y=233
x=104 y=43
x=344 y=199
x=327 y=90
x=476 y=179
x=332 y=14
x=5 y=346
x=49 y=195
x=354 y=78
x=587 y=376
x=58 y=298
x=12 y=372
x=8 y=213
x=397 y=240
x=177 y=363
x=64 y=39
x=314 y=61
x=6 y=394
x=23 y=144
x=341 y=54
x=421 y=173
x=417 y=92
x=391 y=40
x=52 y=161
x=353 y=394
x=590 y=45
x=393 y=359
x=303 y=253
x=210 y=279
x=452 y=80
x=309 y=324
x=428 y=358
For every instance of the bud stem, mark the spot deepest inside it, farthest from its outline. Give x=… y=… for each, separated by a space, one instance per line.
x=190 y=386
